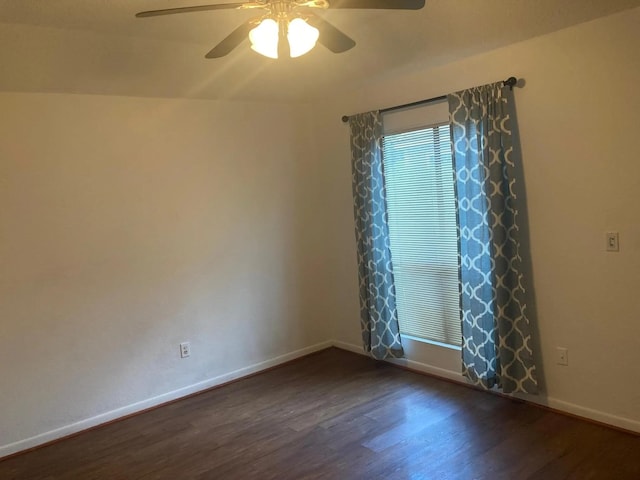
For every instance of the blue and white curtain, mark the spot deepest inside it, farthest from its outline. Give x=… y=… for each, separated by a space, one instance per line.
x=378 y=314
x=495 y=328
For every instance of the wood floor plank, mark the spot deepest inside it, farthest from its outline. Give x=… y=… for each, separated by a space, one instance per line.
x=337 y=415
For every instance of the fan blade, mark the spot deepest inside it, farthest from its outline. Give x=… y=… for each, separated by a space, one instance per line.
x=231 y=41
x=379 y=4
x=330 y=36
x=197 y=8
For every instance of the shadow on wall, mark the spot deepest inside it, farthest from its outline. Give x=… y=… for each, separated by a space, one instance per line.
x=525 y=246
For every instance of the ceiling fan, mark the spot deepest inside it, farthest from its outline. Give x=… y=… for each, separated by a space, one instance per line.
x=288 y=22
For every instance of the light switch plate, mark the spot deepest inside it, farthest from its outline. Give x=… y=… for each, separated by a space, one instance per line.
x=613 y=244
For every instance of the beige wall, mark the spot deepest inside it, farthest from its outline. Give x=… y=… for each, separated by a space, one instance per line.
x=578 y=116
x=130 y=225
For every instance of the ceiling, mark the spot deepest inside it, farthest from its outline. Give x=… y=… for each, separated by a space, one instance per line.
x=99 y=47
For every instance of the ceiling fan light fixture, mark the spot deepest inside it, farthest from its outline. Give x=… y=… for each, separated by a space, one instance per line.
x=302 y=37
x=281 y=20
x=264 y=38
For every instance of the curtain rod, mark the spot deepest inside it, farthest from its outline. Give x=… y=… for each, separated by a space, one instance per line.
x=509 y=82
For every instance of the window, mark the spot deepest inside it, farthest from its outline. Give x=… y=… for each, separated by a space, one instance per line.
x=422 y=230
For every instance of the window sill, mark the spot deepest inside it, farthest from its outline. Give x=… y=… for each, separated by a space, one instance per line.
x=431 y=342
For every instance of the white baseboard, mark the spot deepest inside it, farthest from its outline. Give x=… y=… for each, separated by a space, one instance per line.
x=106 y=417
x=405 y=362
x=431 y=370
x=46 y=437
x=554 y=403
x=350 y=347
x=591 y=414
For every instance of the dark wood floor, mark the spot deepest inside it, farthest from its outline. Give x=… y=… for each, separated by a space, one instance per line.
x=338 y=415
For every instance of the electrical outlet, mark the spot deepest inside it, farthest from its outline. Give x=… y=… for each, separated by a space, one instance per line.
x=562 y=356
x=185 y=349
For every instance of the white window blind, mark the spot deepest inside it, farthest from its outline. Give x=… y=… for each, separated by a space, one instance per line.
x=422 y=228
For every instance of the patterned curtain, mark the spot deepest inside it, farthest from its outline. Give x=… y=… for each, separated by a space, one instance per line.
x=496 y=333
x=378 y=314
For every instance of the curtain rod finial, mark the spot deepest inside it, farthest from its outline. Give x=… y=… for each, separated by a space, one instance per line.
x=510 y=82
x=345 y=118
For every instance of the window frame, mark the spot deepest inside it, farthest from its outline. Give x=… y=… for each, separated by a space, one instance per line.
x=414 y=128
